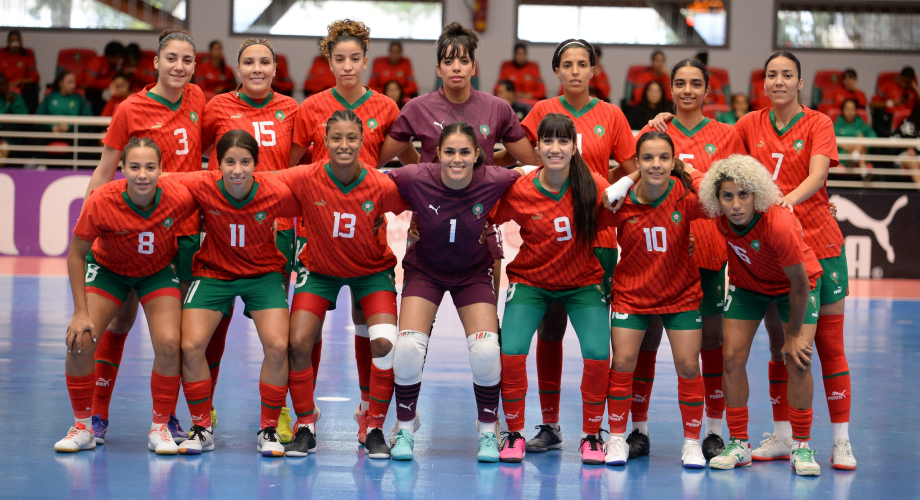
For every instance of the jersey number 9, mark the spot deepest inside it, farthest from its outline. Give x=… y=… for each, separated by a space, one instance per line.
x=563 y=226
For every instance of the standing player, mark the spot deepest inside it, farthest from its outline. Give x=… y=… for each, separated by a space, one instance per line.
x=602 y=133
x=771 y=264
x=169 y=112
x=556 y=207
x=130 y=227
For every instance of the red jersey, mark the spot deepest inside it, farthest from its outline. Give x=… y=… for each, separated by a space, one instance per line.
x=757 y=255
x=339 y=219
x=144 y=74
x=112 y=103
x=903 y=99
x=239 y=242
x=127 y=240
x=99 y=73
x=174 y=127
x=637 y=87
x=282 y=83
x=603 y=132
x=320 y=77
x=18 y=66
x=656 y=274
x=550 y=257
x=213 y=79
x=787 y=155
x=707 y=142
x=526 y=79
x=384 y=71
x=838 y=95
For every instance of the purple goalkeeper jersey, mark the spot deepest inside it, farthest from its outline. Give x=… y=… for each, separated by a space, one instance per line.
x=451 y=222
x=425 y=116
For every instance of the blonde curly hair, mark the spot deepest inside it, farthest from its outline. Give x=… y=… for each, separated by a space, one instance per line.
x=342 y=31
x=747 y=172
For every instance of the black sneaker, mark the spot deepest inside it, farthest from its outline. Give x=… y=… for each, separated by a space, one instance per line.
x=375 y=445
x=639 y=445
x=713 y=446
x=546 y=439
x=304 y=443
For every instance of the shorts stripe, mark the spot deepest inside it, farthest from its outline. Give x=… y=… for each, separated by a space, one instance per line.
x=103 y=293
x=162 y=292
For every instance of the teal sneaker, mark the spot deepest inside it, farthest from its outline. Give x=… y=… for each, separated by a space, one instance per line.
x=405 y=442
x=488 y=448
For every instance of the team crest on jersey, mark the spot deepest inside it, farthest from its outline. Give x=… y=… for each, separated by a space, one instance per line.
x=279 y=115
x=599 y=130
x=477 y=210
x=675 y=217
x=755 y=245
x=168 y=222
x=367 y=206
x=193 y=116
x=484 y=130
x=260 y=217
x=372 y=123
x=798 y=145
x=711 y=149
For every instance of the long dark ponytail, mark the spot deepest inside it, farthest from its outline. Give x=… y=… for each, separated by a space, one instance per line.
x=584 y=189
x=679 y=171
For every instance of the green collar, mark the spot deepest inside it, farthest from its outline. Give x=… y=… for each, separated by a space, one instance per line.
x=162 y=100
x=351 y=107
x=654 y=204
x=342 y=187
x=549 y=194
x=750 y=226
x=583 y=111
x=691 y=133
x=232 y=200
x=257 y=105
x=137 y=210
x=785 y=129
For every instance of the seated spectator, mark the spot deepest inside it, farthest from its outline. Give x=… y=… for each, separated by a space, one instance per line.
x=213 y=74
x=651 y=103
x=119 y=90
x=910 y=129
x=140 y=72
x=282 y=82
x=599 y=86
x=848 y=90
x=740 y=107
x=11 y=103
x=394 y=90
x=901 y=94
x=396 y=68
x=657 y=73
x=64 y=101
x=524 y=74
x=849 y=124
x=505 y=91
x=319 y=78
x=18 y=65
x=99 y=74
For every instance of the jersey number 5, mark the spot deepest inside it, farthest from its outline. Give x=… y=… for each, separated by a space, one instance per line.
x=262 y=129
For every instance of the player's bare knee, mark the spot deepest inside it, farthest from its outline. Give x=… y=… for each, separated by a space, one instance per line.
x=275 y=350
x=301 y=353
x=624 y=364
x=687 y=370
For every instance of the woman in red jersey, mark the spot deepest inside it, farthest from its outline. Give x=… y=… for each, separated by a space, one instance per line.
x=125 y=241
x=169 y=112
x=771 y=265
x=237 y=258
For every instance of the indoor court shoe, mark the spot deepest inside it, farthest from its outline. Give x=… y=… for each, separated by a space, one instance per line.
x=285 y=434
x=303 y=444
x=416 y=425
x=802 y=461
x=213 y=419
x=78 y=438
x=100 y=425
x=547 y=438
x=736 y=454
x=592 y=450
x=639 y=444
x=199 y=439
x=772 y=449
x=161 y=441
x=713 y=446
x=362 y=424
x=405 y=442
x=176 y=431
x=842 y=456
x=268 y=444
x=691 y=455
x=375 y=445
x=512 y=448
x=488 y=448
x=617 y=451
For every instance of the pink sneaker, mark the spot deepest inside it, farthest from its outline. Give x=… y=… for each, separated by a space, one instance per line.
x=513 y=448
x=592 y=450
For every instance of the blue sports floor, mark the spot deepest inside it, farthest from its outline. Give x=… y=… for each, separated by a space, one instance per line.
x=883 y=347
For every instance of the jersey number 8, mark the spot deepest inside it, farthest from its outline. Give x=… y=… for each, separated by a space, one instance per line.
x=145 y=243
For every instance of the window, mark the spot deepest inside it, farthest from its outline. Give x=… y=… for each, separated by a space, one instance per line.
x=415 y=20
x=701 y=23
x=141 y=15
x=848 y=26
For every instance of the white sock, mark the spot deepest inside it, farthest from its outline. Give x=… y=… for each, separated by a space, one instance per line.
x=783 y=430
x=487 y=427
x=841 y=431
x=406 y=426
x=713 y=426
x=642 y=426
x=87 y=422
x=155 y=426
x=365 y=405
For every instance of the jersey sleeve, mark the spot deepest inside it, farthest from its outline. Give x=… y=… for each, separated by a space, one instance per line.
x=402 y=127
x=735 y=144
x=86 y=228
x=532 y=121
x=624 y=143
x=289 y=206
x=503 y=211
x=785 y=238
x=301 y=126
x=182 y=194
x=118 y=134
x=743 y=126
x=392 y=200
x=209 y=127
x=824 y=142
x=511 y=130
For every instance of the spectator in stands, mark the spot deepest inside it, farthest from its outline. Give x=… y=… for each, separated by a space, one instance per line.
x=396 y=68
x=656 y=73
x=524 y=74
x=849 y=124
x=119 y=90
x=64 y=101
x=11 y=103
x=652 y=103
x=897 y=95
x=18 y=65
x=718 y=89
x=910 y=129
x=848 y=90
x=740 y=107
x=319 y=78
x=394 y=90
x=213 y=74
x=505 y=91
x=99 y=74
x=283 y=83
x=140 y=71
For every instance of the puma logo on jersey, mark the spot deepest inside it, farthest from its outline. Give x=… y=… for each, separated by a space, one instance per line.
x=435 y=209
x=123 y=231
x=157 y=125
x=440 y=124
x=693 y=423
x=617 y=418
x=638 y=398
x=215 y=212
x=320 y=203
x=717 y=394
x=537 y=216
x=238 y=115
x=850 y=212
x=103 y=382
x=633 y=220
x=409 y=408
x=760 y=144
x=836 y=396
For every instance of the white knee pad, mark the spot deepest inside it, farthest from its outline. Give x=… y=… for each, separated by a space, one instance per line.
x=361 y=331
x=485 y=358
x=387 y=332
x=409 y=357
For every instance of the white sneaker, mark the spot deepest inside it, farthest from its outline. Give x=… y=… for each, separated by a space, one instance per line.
x=617 y=451
x=268 y=444
x=78 y=438
x=842 y=456
x=691 y=455
x=161 y=441
x=199 y=439
x=802 y=461
x=416 y=425
x=736 y=454
x=772 y=449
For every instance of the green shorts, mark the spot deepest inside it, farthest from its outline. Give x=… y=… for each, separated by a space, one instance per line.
x=713 y=284
x=328 y=287
x=747 y=305
x=116 y=287
x=259 y=293
x=608 y=259
x=835 y=279
x=686 y=320
x=188 y=245
x=285 y=243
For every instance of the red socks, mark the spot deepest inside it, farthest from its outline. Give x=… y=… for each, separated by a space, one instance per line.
x=381 y=393
x=737 y=420
x=107 y=359
x=690 y=401
x=834 y=367
x=215 y=351
x=273 y=398
x=514 y=390
x=712 y=380
x=81 y=391
x=549 y=378
x=301 y=387
x=315 y=355
x=801 y=423
x=779 y=378
x=164 y=391
x=594 y=380
x=364 y=360
x=198 y=397
x=643 y=379
x=619 y=399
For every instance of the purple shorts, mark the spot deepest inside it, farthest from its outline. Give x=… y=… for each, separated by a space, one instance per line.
x=474 y=289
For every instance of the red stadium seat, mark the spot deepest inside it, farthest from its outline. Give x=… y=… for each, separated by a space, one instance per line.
x=826 y=80
x=74 y=60
x=833 y=113
x=720 y=85
x=897 y=117
x=632 y=76
x=282 y=82
x=710 y=110
x=148 y=55
x=757 y=97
